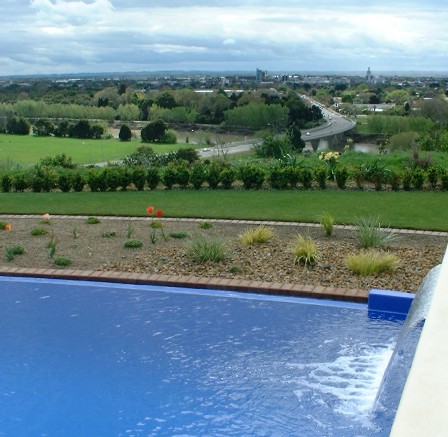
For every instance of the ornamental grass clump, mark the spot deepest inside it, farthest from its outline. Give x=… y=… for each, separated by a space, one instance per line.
x=203 y=250
x=371 y=262
x=133 y=244
x=38 y=231
x=305 y=250
x=178 y=235
x=258 y=235
x=205 y=225
x=12 y=252
x=62 y=261
x=327 y=222
x=109 y=234
x=93 y=220
x=371 y=234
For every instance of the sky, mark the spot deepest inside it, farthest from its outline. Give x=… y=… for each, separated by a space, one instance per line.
x=94 y=36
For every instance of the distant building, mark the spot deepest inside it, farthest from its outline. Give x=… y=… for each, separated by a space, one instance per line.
x=370 y=78
x=260 y=75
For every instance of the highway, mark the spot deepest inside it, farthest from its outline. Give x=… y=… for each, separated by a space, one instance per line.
x=335 y=124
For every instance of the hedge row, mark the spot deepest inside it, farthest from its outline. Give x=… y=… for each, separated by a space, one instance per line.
x=221 y=174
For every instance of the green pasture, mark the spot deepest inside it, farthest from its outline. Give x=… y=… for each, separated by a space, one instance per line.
x=412 y=210
x=27 y=149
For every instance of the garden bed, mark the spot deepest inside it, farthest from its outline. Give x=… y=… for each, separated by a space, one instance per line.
x=100 y=247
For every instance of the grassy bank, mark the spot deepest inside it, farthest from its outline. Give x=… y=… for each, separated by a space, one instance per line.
x=413 y=210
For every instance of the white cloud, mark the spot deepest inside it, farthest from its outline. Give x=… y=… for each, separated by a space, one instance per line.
x=93 y=35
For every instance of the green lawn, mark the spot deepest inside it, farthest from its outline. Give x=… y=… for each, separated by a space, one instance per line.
x=413 y=210
x=28 y=149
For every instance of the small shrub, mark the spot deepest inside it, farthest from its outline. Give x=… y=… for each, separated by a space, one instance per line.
x=260 y=234
x=227 y=177
x=93 y=220
x=138 y=178
x=183 y=174
x=234 y=270
x=327 y=222
x=178 y=235
x=169 y=177
x=133 y=244
x=62 y=261
x=444 y=180
x=213 y=176
x=153 y=177
x=306 y=177
x=418 y=178
x=371 y=234
x=252 y=176
x=395 y=179
x=109 y=234
x=6 y=183
x=205 y=225
x=96 y=181
x=64 y=181
x=371 y=262
x=305 y=251
x=278 y=177
x=203 y=250
x=407 y=179
x=21 y=181
x=292 y=173
x=359 y=176
x=3 y=226
x=12 y=252
x=78 y=182
x=320 y=174
x=198 y=175
x=341 y=176
x=38 y=231
x=433 y=174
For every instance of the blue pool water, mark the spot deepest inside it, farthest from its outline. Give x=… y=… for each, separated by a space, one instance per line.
x=99 y=359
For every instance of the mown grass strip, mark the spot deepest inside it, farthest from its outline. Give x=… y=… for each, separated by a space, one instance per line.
x=413 y=210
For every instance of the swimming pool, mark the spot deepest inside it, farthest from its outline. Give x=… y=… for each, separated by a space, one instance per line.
x=89 y=358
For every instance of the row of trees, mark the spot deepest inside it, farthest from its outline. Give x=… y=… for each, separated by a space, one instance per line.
x=44 y=127
x=252 y=112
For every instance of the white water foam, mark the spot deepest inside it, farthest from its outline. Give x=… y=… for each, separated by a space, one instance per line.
x=350 y=383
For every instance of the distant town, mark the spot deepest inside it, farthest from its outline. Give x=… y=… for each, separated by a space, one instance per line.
x=257 y=78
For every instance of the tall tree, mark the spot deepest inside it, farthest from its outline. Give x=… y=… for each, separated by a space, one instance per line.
x=154 y=131
x=125 y=133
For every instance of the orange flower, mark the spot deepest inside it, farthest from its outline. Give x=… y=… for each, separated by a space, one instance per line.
x=150 y=210
x=8 y=227
x=159 y=213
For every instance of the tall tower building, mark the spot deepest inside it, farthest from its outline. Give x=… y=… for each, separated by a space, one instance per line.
x=370 y=78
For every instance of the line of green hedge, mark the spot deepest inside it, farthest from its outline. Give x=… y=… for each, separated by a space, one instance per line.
x=221 y=174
